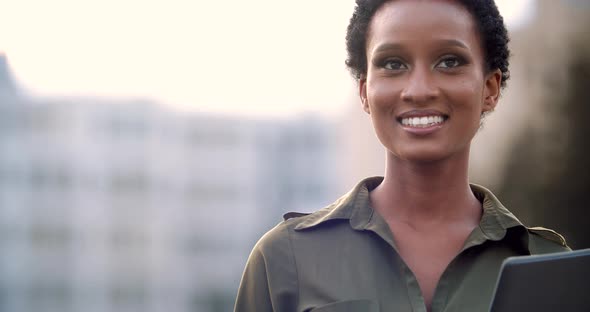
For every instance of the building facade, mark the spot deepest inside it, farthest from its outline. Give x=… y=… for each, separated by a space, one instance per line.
x=125 y=205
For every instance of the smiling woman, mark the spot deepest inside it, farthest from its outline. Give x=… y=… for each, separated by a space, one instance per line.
x=421 y=238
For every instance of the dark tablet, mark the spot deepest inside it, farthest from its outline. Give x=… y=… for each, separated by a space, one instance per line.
x=551 y=282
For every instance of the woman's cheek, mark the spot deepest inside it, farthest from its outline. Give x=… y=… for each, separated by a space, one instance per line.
x=462 y=92
x=383 y=95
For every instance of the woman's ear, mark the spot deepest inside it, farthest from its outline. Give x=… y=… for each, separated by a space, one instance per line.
x=492 y=90
x=363 y=95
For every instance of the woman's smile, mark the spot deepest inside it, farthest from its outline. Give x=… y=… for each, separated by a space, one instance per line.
x=422 y=122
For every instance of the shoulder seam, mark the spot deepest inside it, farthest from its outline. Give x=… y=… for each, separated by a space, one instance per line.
x=294 y=263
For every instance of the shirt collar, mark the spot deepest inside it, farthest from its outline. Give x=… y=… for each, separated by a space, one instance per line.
x=355 y=206
x=496 y=219
x=355 y=202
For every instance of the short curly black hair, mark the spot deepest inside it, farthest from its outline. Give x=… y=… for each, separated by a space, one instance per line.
x=485 y=12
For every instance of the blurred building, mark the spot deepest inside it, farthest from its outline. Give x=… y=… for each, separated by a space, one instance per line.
x=123 y=205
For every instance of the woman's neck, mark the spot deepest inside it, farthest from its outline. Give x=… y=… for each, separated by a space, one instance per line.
x=427 y=192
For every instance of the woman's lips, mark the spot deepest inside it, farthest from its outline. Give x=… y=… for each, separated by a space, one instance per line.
x=422 y=122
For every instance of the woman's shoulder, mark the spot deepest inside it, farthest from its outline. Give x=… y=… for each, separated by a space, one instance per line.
x=341 y=209
x=280 y=236
x=541 y=240
x=317 y=229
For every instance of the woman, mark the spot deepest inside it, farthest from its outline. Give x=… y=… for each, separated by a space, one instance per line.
x=421 y=238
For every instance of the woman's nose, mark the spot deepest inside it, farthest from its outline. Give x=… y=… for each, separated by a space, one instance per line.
x=420 y=86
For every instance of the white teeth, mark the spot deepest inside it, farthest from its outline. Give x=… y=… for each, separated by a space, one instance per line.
x=422 y=121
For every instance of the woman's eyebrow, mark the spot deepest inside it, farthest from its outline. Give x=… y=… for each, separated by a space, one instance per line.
x=388 y=47
x=391 y=46
x=453 y=43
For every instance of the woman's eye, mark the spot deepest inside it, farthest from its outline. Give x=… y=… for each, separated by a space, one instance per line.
x=449 y=62
x=394 y=65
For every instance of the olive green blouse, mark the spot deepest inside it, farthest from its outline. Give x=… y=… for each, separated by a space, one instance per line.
x=343 y=258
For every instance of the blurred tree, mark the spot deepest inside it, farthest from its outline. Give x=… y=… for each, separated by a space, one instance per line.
x=547 y=178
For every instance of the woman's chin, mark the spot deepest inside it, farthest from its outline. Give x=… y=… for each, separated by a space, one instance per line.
x=422 y=156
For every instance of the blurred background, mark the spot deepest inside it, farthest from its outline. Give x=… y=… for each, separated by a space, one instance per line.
x=146 y=145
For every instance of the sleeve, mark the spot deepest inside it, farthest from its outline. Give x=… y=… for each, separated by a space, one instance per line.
x=269 y=281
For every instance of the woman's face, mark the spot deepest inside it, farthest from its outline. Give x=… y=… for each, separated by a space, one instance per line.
x=426 y=87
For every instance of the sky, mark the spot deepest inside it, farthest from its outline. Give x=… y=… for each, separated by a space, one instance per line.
x=246 y=57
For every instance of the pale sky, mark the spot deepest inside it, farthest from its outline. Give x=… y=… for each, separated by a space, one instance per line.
x=252 y=57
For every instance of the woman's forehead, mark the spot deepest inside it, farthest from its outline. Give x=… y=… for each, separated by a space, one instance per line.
x=402 y=21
